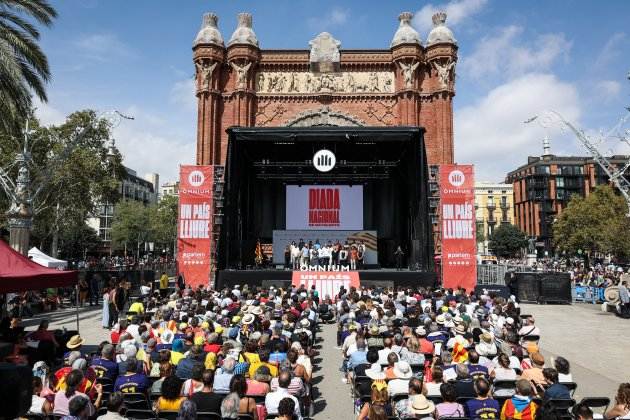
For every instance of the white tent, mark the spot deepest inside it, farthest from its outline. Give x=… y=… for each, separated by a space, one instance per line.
x=47 y=261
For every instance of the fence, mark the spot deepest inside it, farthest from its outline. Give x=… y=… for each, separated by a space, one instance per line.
x=494 y=274
x=589 y=294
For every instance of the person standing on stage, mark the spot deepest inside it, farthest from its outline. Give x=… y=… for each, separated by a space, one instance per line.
x=399 y=254
x=287 y=257
x=354 y=256
x=334 y=253
x=301 y=243
x=304 y=260
x=296 y=253
x=163 y=285
x=314 y=255
x=361 y=253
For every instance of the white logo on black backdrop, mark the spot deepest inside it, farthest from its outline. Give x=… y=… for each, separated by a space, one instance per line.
x=324 y=160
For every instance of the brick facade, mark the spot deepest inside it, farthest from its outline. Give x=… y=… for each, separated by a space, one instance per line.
x=224 y=102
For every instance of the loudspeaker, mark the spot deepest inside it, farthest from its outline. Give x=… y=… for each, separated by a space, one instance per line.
x=16 y=390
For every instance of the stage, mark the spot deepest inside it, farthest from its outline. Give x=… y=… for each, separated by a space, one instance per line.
x=368 y=278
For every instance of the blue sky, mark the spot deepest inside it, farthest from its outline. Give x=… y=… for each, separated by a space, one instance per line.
x=516 y=59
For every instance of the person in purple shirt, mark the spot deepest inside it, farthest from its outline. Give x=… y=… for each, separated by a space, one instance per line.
x=132 y=381
x=474 y=368
x=105 y=366
x=482 y=407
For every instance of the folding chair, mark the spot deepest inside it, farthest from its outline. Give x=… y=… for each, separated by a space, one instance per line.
x=206 y=415
x=435 y=399
x=601 y=403
x=136 y=401
x=507 y=388
x=140 y=414
x=245 y=417
x=562 y=406
x=167 y=415
x=108 y=384
x=572 y=386
x=464 y=400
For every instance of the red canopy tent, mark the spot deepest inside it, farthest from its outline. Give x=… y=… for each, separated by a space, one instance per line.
x=18 y=273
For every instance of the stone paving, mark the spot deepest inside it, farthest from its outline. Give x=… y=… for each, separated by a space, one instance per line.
x=595 y=343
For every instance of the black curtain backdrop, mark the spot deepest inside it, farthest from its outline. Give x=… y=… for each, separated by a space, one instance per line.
x=395 y=206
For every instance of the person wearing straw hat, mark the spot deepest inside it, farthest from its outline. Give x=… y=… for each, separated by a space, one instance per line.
x=420 y=407
x=74 y=344
x=402 y=372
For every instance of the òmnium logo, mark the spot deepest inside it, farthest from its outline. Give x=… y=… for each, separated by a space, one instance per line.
x=324 y=160
x=196 y=178
x=456 y=178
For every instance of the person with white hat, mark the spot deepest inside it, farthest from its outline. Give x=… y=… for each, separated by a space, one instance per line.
x=400 y=385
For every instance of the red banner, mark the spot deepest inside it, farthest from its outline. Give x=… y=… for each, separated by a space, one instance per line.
x=327 y=283
x=457 y=213
x=194 y=224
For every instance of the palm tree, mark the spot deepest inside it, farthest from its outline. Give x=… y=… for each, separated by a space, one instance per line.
x=23 y=65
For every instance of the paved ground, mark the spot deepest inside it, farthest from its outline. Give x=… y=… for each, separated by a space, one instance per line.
x=595 y=343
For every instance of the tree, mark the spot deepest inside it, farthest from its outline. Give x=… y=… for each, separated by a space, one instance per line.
x=23 y=65
x=164 y=221
x=79 y=240
x=507 y=240
x=597 y=223
x=131 y=225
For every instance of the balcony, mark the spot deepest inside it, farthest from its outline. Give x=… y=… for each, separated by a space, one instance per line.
x=492 y=220
x=505 y=205
x=491 y=205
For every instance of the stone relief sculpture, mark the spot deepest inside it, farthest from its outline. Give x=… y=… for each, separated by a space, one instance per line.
x=443 y=72
x=205 y=69
x=307 y=82
x=408 y=71
x=241 y=73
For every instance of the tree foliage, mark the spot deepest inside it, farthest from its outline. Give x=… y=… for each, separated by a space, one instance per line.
x=597 y=223
x=75 y=171
x=131 y=226
x=164 y=221
x=507 y=240
x=23 y=64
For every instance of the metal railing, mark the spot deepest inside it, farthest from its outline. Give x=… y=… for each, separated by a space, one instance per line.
x=494 y=274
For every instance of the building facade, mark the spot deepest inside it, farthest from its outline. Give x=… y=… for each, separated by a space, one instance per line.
x=494 y=206
x=132 y=188
x=411 y=83
x=544 y=186
x=169 y=188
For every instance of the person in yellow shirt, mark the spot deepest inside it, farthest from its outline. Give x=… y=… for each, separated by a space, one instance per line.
x=164 y=284
x=263 y=354
x=136 y=307
x=177 y=351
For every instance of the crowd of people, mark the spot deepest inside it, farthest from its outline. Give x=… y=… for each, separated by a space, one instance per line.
x=250 y=353
x=235 y=353
x=305 y=253
x=443 y=355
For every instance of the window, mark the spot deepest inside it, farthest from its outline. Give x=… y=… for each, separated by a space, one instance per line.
x=543 y=169
x=559 y=182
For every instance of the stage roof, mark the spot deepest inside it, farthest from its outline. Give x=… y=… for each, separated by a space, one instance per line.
x=324 y=133
x=18 y=273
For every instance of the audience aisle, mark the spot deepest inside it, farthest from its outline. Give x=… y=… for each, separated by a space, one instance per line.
x=334 y=401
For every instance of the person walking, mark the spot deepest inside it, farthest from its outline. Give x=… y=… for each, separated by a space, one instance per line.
x=105 y=316
x=163 y=284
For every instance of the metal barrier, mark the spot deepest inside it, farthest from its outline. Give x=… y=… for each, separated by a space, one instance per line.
x=494 y=274
x=589 y=294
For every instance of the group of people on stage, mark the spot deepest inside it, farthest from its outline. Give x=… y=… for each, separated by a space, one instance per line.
x=303 y=253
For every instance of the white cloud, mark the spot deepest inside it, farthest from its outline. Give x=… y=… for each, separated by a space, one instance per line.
x=504 y=53
x=457 y=10
x=611 y=50
x=47 y=114
x=102 y=47
x=336 y=17
x=147 y=145
x=183 y=93
x=608 y=89
x=490 y=133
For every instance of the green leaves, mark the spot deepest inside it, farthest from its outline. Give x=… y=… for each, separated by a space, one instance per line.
x=23 y=65
x=507 y=240
x=597 y=223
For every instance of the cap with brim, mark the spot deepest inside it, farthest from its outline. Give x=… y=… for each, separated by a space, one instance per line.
x=256 y=310
x=460 y=329
x=248 y=319
x=420 y=405
x=440 y=319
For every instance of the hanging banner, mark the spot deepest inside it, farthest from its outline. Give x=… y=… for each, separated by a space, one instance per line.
x=457 y=214
x=194 y=224
x=327 y=283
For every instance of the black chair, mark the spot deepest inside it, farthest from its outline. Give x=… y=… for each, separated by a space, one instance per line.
x=136 y=401
x=562 y=406
x=454 y=418
x=572 y=386
x=34 y=417
x=501 y=401
x=140 y=414
x=600 y=403
x=101 y=411
x=435 y=399
x=167 y=415
x=530 y=339
x=206 y=415
x=108 y=384
x=464 y=400
x=505 y=386
x=398 y=397
x=245 y=417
